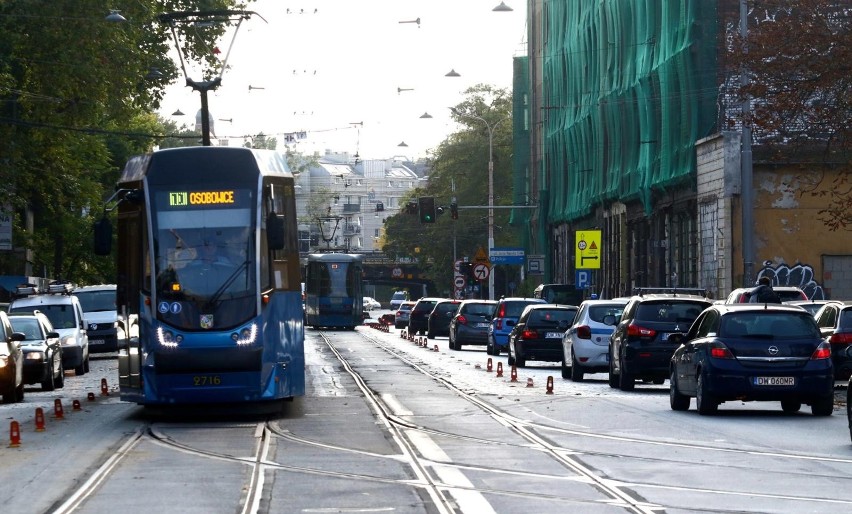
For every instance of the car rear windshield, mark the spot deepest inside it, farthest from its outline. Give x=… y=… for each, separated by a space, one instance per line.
x=599 y=312
x=447 y=307
x=481 y=309
x=552 y=316
x=769 y=324
x=512 y=309
x=424 y=306
x=671 y=311
x=845 y=319
x=789 y=296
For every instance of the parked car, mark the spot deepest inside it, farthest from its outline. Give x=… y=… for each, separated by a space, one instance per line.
x=65 y=313
x=639 y=347
x=537 y=335
x=786 y=293
x=811 y=306
x=371 y=304
x=505 y=315
x=104 y=326
x=11 y=362
x=397 y=298
x=585 y=345
x=439 y=319
x=418 y=319
x=470 y=324
x=42 y=350
x=752 y=353
x=834 y=320
x=402 y=314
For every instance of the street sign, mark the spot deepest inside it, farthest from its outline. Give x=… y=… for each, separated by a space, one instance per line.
x=481 y=256
x=481 y=271
x=506 y=255
x=588 y=249
x=583 y=278
x=535 y=264
x=459 y=282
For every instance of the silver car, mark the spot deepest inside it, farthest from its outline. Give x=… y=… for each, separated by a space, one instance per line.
x=585 y=346
x=402 y=314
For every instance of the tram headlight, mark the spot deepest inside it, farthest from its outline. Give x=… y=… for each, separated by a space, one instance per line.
x=247 y=335
x=167 y=339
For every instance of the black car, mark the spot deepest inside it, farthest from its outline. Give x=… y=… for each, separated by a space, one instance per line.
x=418 y=320
x=42 y=350
x=834 y=320
x=439 y=319
x=752 y=353
x=639 y=347
x=470 y=324
x=538 y=333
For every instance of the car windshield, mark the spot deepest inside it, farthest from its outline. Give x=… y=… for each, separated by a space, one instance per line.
x=669 y=311
x=481 y=309
x=599 y=312
x=28 y=326
x=94 y=301
x=769 y=324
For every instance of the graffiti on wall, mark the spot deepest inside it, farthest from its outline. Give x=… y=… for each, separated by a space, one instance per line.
x=800 y=275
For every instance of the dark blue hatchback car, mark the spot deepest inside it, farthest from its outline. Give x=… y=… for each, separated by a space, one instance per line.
x=751 y=352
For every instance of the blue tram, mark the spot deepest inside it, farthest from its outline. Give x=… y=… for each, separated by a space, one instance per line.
x=208 y=263
x=334 y=290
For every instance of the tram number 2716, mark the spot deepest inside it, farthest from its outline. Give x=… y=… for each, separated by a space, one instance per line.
x=206 y=380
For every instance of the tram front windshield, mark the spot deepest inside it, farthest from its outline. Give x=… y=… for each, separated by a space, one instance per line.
x=204 y=257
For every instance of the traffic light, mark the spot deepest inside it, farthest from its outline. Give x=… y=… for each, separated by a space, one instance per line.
x=454 y=210
x=466 y=269
x=427 y=209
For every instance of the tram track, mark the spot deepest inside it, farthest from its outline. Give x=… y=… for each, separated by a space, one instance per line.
x=571 y=457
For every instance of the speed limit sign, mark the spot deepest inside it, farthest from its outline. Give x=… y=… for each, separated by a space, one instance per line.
x=480 y=271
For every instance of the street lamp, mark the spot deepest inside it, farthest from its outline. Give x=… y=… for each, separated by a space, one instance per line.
x=490 y=127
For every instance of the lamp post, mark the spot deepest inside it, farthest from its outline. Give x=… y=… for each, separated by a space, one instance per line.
x=490 y=127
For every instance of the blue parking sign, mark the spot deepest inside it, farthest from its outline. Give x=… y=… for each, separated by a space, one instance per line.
x=583 y=278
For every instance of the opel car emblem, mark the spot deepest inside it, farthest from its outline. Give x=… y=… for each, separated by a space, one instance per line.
x=773 y=350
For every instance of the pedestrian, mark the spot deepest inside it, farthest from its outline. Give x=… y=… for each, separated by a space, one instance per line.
x=764 y=293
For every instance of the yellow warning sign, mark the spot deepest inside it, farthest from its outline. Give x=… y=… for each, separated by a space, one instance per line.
x=587 y=251
x=481 y=256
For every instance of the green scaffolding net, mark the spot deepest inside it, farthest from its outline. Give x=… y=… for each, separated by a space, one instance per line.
x=629 y=86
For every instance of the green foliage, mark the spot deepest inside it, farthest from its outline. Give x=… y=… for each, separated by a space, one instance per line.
x=460 y=169
x=76 y=104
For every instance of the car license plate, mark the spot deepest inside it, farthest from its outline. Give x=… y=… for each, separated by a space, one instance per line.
x=774 y=381
x=206 y=380
x=481 y=325
x=552 y=335
x=97 y=341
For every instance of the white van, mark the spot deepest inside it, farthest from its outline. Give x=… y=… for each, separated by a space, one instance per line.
x=65 y=314
x=103 y=323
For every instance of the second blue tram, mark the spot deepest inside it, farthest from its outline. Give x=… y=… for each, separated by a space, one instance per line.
x=333 y=290
x=208 y=262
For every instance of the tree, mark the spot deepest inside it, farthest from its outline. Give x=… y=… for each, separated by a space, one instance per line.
x=460 y=169
x=76 y=104
x=798 y=57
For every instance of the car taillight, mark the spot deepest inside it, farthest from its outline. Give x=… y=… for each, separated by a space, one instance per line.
x=398 y=313
x=529 y=334
x=637 y=331
x=502 y=313
x=841 y=338
x=823 y=351
x=584 y=332
x=720 y=351
x=461 y=319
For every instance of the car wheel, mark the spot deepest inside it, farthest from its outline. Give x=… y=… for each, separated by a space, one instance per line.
x=60 y=380
x=80 y=370
x=613 y=376
x=790 y=406
x=430 y=334
x=520 y=360
x=510 y=359
x=823 y=406
x=566 y=370
x=489 y=348
x=47 y=383
x=576 y=370
x=677 y=400
x=626 y=382
x=704 y=402
x=86 y=362
x=9 y=396
x=19 y=393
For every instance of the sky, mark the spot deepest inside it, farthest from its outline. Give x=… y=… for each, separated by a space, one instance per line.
x=333 y=69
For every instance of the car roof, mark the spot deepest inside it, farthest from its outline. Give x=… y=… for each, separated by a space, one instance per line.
x=477 y=300
x=614 y=301
x=100 y=287
x=739 y=307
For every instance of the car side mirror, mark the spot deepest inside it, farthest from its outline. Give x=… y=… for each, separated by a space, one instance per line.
x=18 y=336
x=53 y=335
